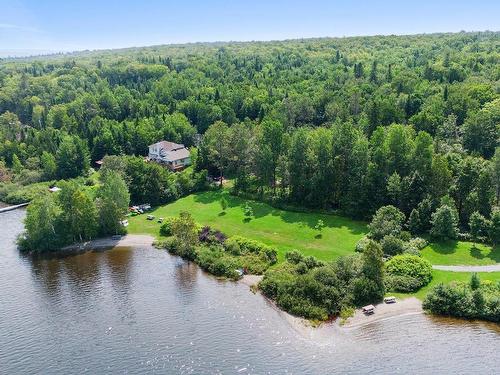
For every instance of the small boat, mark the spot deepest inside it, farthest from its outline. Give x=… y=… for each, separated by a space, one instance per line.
x=368 y=310
x=390 y=299
x=240 y=272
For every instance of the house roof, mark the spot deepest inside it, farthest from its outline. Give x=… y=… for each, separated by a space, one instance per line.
x=168 y=146
x=177 y=154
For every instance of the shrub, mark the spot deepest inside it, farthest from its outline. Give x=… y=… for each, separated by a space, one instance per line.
x=464 y=236
x=276 y=279
x=414 y=246
x=232 y=246
x=362 y=244
x=166 y=227
x=251 y=246
x=366 y=291
x=294 y=256
x=248 y=210
x=410 y=266
x=311 y=289
x=418 y=242
x=301 y=307
x=311 y=262
x=214 y=260
x=223 y=203
x=170 y=244
x=392 y=245
x=254 y=264
x=473 y=300
x=402 y=284
x=211 y=236
x=410 y=250
x=405 y=235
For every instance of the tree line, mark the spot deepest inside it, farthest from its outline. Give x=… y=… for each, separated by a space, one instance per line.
x=350 y=124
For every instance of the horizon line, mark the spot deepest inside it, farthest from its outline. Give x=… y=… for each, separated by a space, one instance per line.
x=55 y=52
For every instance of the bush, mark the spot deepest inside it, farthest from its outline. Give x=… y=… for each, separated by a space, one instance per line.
x=461 y=300
x=232 y=246
x=464 y=237
x=366 y=291
x=410 y=266
x=294 y=256
x=254 y=264
x=166 y=227
x=301 y=307
x=405 y=236
x=276 y=279
x=362 y=244
x=214 y=260
x=306 y=287
x=16 y=194
x=211 y=236
x=402 y=284
x=392 y=245
x=246 y=245
x=414 y=246
x=170 y=244
x=418 y=243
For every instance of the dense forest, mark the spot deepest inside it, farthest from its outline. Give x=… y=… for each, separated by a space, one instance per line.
x=348 y=124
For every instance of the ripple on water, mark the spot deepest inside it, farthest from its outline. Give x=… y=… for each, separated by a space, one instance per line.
x=142 y=310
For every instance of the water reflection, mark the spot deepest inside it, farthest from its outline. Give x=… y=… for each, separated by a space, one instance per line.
x=141 y=311
x=185 y=275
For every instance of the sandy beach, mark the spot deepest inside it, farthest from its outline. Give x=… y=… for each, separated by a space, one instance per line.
x=109 y=242
x=251 y=280
x=407 y=306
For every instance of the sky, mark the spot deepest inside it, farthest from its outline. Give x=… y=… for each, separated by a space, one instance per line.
x=69 y=25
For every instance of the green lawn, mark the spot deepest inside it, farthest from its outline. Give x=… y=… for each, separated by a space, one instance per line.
x=439 y=276
x=461 y=253
x=285 y=230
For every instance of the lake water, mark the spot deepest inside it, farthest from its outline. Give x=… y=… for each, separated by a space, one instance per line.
x=143 y=311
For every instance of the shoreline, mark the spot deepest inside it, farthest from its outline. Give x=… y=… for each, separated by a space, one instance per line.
x=127 y=240
x=4 y=207
x=384 y=311
x=305 y=328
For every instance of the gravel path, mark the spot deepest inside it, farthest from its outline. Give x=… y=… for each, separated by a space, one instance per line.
x=488 y=268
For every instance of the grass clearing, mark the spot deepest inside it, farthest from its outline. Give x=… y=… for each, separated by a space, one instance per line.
x=284 y=230
x=455 y=253
x=287 y=230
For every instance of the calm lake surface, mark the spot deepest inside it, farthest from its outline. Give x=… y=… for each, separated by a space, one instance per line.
x=141 y=310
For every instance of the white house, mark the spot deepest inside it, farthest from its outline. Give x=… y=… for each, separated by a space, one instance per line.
x=175 y=156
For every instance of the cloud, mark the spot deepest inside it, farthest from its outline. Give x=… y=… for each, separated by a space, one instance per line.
x=9 y=26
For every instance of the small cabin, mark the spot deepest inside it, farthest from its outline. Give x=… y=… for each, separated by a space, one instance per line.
x=368 y=310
